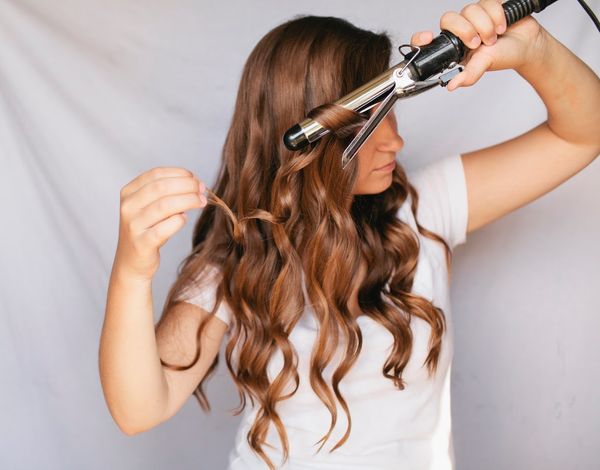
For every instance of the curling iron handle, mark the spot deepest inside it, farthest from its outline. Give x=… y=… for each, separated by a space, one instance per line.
x=447 y=48
x=432 y=59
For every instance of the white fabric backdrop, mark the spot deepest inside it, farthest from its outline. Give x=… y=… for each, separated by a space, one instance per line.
x=93 y=93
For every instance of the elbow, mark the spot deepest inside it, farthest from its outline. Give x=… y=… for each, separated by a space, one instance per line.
x=130 y=430
x=129 y=426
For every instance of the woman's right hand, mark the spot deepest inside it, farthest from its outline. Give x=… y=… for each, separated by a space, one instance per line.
x=152 y=211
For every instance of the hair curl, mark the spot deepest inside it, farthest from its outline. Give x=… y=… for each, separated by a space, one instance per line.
x=284 y=214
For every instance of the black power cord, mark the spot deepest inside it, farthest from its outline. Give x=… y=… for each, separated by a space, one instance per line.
x=589 y=11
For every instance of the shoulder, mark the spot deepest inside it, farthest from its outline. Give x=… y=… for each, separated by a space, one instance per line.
x=203 y=293
x=442 y=198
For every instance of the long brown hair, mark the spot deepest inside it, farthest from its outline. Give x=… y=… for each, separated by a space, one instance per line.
x=274 y=214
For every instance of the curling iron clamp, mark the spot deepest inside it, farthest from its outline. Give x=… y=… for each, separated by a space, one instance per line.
x=410 y=77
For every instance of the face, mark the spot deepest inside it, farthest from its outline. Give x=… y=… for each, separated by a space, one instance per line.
x=378 y=150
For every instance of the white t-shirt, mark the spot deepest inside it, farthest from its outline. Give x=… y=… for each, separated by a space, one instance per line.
x=392 y=429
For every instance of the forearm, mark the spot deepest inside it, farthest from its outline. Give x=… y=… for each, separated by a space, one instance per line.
x=132 y=377
x=569 y=89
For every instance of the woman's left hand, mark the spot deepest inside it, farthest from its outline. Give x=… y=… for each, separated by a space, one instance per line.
x=490 y=46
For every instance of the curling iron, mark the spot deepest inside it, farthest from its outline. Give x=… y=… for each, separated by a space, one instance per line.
x=410 y=77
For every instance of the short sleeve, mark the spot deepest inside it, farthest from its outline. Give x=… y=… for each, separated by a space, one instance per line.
x=443 y=205
x=203 y=294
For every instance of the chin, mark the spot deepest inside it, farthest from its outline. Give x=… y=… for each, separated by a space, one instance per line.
x=382 y=187
x=374 y=188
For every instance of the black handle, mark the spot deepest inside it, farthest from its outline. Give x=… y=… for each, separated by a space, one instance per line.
x=447 y=47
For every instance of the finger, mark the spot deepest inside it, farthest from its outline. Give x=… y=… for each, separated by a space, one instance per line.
x=496 y=12
x=150 y=175
x=421 y=38
x=164 y=208
x=482 y=22
x=461 y=27
x=475 y=68
x=158 y=234
x=161 y=187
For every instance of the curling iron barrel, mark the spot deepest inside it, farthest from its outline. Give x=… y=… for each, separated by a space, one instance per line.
x=443 y=51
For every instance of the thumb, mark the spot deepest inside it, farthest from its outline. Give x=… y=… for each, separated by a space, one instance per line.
x=421 y=38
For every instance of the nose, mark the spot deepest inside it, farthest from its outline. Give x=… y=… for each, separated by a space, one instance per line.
x=388 y=138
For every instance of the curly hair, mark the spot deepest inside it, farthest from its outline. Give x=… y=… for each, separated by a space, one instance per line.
x=275 y=215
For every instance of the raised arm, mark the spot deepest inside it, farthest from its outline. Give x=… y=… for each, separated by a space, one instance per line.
x=510 y=174
x=139 y=391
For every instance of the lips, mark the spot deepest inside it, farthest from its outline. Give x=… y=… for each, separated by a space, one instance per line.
x=387 y=164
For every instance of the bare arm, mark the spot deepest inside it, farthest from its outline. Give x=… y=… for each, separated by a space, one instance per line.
x=139 y=392
x=176 y=338
x=508 y=175
x=505 y=176
x=134 y=384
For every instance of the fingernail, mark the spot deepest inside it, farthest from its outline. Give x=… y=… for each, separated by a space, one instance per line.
x=458 y=80
x=500 y=29
x=475 y=41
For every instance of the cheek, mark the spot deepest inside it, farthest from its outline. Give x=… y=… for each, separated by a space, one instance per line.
x=364 y=158
x=362 y=170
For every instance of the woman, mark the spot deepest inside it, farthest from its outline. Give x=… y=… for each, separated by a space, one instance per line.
x=330 y=285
